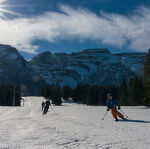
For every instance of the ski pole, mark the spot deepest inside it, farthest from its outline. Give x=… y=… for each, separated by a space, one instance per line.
x=53 y=110
x=104 y=115
x=124 y=113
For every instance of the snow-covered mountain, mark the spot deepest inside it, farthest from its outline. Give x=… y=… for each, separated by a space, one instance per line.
x=15 y=70
x=94 y=66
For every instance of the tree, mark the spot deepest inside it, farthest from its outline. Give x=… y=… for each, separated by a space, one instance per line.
x=102 y=95
x=7 y=97
x=135 y=91
x=66 y=92
x=89 y=96
x=123 y=93
x=57 y=96
x=132 y=92
x=78 y=92
x=147 y=66
x=146 y=99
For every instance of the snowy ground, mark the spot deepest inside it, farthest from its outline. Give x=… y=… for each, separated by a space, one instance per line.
x=75 y=127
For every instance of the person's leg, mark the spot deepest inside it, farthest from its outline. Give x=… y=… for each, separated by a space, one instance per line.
x=44 y=112
x=46 y=109
x=119 y=114
x=113 y=112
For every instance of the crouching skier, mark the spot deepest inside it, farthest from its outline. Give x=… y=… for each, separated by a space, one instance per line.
x=46 y=106
x=111 y=104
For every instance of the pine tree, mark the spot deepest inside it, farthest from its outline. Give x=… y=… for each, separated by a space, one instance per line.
x=89 y=96
x=123 y=94
x=147 y=66
x=102 y=95
x=66 y=92
x=78 y=92
x=135 y=91
x=146 y=99
x=131 y=92
x=85 y=91
x=95 y=95
x=57 y=96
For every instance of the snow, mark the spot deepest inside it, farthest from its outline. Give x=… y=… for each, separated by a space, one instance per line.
x=76 y=126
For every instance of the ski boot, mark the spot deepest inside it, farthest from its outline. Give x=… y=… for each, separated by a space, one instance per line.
x=116 y=119
x=125 y=118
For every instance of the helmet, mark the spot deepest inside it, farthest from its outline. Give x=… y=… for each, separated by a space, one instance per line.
x=109 y=94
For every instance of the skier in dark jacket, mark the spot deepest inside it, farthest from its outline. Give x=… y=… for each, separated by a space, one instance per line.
x=112 y=105
x=46 y=106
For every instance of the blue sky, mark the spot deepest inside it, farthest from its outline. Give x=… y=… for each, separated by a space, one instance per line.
x=34 y=26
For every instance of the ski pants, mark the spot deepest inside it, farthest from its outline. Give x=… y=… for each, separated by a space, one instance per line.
x=116 y=113
x=42 y=108
x=45 y=110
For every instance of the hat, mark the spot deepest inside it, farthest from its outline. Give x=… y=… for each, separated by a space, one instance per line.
x=109 y=94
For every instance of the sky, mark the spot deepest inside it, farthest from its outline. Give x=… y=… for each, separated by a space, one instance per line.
x=35 y=26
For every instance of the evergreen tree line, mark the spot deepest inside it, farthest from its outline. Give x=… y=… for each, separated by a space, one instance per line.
x=7 y=94
x=132 y=94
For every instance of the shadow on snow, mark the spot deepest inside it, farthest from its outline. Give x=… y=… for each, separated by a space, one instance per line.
x=136 y=121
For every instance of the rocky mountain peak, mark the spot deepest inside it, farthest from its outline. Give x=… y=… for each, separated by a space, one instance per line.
x=3 y=47
x=9 y=53
x=96 y=51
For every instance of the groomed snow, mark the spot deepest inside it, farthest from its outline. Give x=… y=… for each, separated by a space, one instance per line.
x=75 y=127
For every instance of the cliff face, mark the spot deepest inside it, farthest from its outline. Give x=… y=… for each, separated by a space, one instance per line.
x=94 y=66
x=15 y=70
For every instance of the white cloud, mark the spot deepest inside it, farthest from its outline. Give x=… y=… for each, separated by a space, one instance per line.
x=1 y=1
x=132 y=31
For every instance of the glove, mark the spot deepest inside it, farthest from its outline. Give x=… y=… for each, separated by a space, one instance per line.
x=107 y=109
x=119 y=108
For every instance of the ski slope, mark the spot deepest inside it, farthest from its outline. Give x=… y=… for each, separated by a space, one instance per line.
x=75 y=127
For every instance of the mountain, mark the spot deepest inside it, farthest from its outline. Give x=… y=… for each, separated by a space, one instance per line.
x=133 y=61
x=15 y=70
x=93 y=66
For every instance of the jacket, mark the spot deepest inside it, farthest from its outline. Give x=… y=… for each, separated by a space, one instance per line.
x=113 y=103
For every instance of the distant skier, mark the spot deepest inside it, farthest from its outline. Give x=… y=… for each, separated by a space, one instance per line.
x=46 y=105
x=112 y=103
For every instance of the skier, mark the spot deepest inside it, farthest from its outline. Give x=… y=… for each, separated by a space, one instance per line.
x=112 y=103
x=46 y=105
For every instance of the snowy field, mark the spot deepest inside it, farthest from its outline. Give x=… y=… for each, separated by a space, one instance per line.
x=75 y=127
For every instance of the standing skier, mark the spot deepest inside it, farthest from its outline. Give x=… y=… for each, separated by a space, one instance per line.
x=46 y=106
x=111 y=104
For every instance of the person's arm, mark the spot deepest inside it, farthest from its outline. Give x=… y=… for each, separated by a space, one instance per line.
x=108 y=106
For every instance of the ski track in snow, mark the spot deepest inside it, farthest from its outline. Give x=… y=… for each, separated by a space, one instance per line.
x=75 y=127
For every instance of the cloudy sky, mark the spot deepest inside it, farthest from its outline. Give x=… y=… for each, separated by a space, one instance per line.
x=34 y=26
